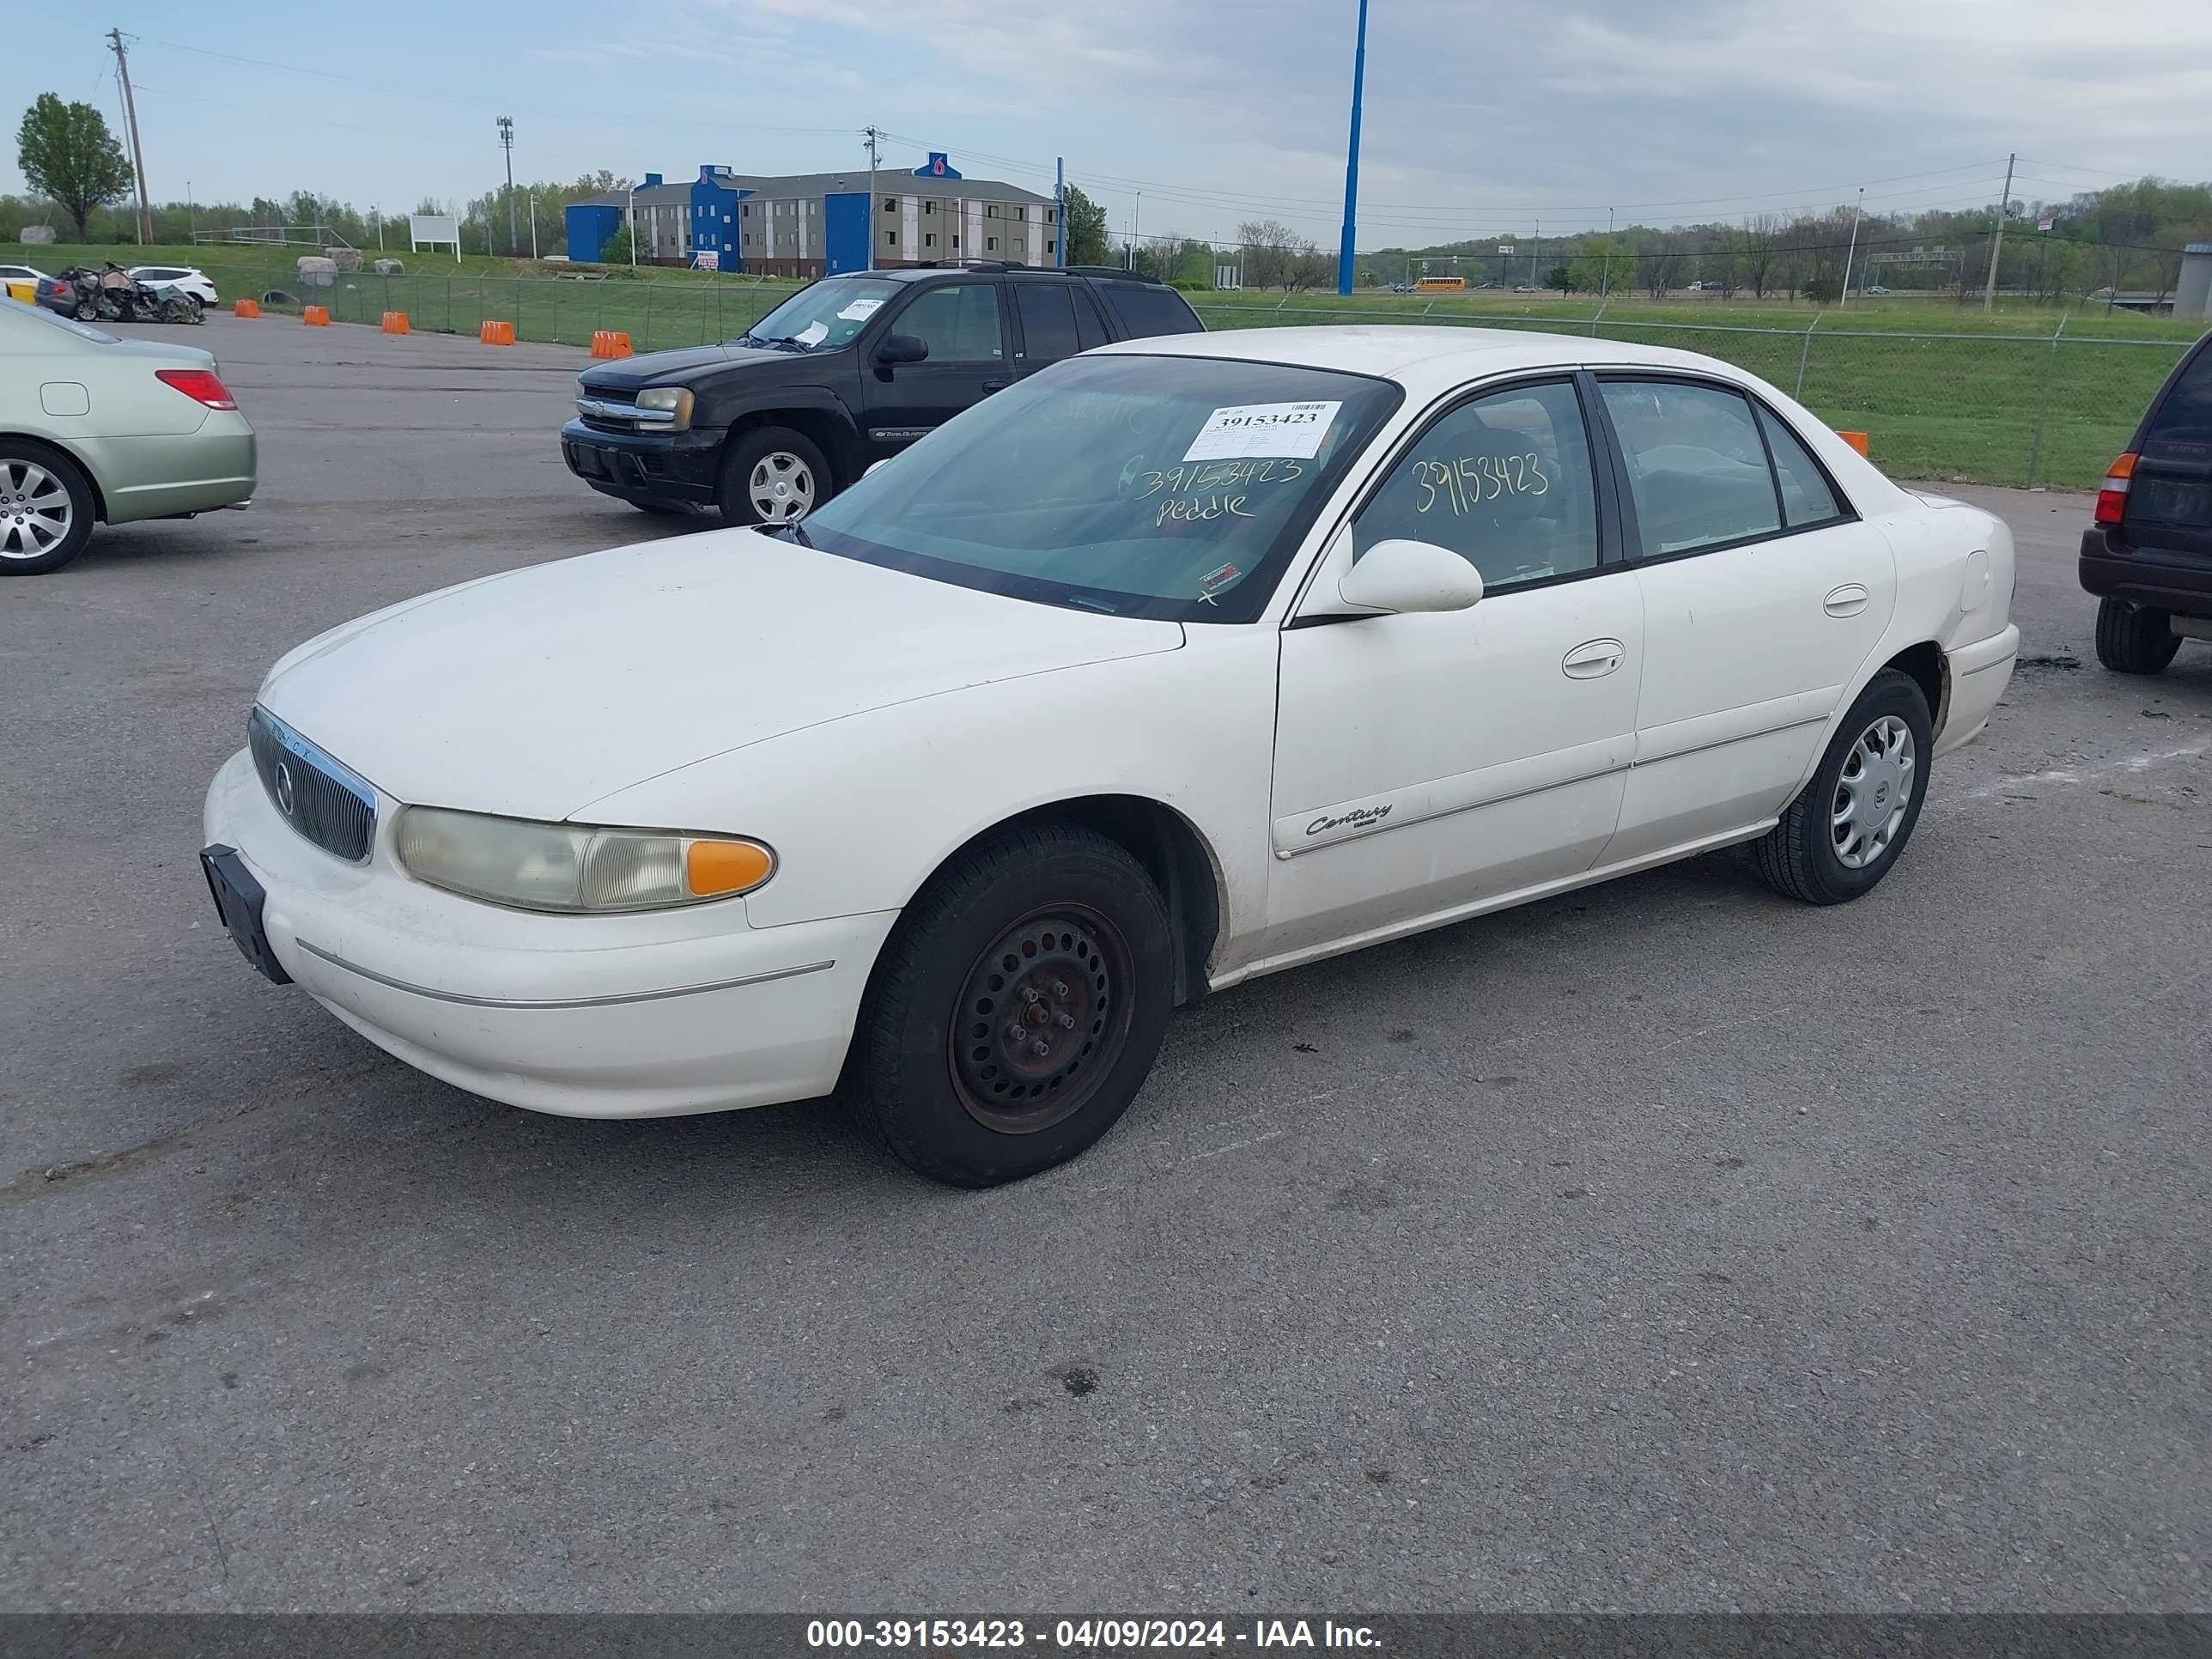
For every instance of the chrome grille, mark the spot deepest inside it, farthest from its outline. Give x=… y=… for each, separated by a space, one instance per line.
x=609 y=412
x=331 y=806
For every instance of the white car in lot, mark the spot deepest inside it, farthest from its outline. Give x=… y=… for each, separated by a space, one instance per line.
x=1179 y=662
x=186 y=279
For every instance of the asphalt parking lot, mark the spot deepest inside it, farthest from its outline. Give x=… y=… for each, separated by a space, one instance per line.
x=1665 y=1246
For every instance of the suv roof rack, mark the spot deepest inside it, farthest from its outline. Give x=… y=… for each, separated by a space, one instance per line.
x=1125 y=275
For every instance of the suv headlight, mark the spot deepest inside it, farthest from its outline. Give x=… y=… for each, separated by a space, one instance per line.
x=671 y=400
x=575 y=867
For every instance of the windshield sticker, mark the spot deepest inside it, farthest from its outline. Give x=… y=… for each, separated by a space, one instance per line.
x=814 y=334
x=1262 y=429
x=860 y=310
x=1213 y=581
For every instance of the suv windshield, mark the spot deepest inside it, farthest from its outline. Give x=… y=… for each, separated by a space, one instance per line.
x=1171 y=487
x=824 y=316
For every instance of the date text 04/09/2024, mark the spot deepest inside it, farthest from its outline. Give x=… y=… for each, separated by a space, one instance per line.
x=1089 y=1635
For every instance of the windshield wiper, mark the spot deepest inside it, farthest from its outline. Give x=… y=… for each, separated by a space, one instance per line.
x=797 y=532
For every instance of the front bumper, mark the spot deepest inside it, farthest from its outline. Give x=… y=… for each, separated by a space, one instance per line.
x=2144 y=575
x=650 y=1015
x=674 y=467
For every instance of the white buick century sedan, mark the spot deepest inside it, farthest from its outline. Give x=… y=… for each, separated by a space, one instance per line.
x=1179 y=662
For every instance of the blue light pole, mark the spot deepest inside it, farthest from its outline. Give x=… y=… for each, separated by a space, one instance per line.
x=1346 y=252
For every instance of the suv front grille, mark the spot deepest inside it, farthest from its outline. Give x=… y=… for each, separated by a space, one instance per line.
x=608 y=411
x=331 y=806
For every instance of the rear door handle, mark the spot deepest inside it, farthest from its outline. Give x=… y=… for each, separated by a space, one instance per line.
x=1845 y=601
x=1593 y=659
x=989 y=386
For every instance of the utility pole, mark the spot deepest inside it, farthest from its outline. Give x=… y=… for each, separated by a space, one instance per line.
x=534 y=224
x=1347 y=252
x=1996 y=242
x=1535 y=242
x=138 y=150
x=507 y=143
x=873 y=139
x=1134 y=212
x=1060 y=207
x=1852 y=253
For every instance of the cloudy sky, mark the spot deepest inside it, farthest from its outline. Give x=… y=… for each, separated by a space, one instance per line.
x=1478 y=118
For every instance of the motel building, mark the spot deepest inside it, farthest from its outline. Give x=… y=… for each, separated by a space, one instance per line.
x=819 y=224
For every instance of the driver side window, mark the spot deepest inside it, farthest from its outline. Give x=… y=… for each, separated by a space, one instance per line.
x=960 y=321
x=1503 y=481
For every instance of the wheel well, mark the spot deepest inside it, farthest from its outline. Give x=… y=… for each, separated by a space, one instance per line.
x=828 y=434
x=1925 y=664
x=98 y=498
x=1173 y=854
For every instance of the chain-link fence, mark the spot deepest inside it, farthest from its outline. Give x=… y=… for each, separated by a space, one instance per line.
x=657 y=314
x=2007 y=409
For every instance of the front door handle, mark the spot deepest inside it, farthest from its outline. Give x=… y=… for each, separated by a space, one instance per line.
x=1845 y=601
x=989 y=386
x=1593 y=659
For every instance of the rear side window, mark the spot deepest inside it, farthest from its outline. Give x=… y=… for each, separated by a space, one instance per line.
x=1807 y=498
x=2184 y=418
x=1697 y=470
x=1089 y=326
x=1048 y=320
x=1148 y=308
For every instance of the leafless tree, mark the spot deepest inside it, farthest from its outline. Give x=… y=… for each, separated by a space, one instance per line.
x=1276 y=256
x=1760 y=233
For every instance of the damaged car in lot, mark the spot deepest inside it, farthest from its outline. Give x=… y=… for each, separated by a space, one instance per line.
x=1180 y=662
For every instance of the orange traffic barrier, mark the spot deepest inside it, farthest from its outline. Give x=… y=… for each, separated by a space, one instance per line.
x=246 y=308
x=315 y=316
x=1856 y=440
x=395 y=322
x=610 y=343
x=494 y=333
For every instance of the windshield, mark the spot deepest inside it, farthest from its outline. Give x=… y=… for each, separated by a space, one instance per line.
x=1172 y=487
x=824 y=316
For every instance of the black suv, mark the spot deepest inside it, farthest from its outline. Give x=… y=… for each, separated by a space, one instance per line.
x=2148 y=555
x=840 y=375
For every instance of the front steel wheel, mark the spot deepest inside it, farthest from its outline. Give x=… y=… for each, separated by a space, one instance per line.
x=1017 y=1006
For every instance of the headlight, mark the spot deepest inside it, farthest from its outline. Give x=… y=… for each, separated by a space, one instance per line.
x=575 y=866
x=674 y=401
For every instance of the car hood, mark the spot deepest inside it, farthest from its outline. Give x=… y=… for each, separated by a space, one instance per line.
x=535 y=692
x=679 y=367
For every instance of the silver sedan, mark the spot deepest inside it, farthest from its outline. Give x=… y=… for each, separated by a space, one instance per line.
x=97 y=429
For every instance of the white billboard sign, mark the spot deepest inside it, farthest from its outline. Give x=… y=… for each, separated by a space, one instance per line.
x=434 y=230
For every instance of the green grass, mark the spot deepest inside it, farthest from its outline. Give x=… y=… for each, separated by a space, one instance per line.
x=2000 y=403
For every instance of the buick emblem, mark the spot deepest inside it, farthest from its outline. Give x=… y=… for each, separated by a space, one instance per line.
x=284 y=789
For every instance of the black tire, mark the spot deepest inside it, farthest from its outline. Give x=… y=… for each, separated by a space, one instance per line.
x=2135 y=639
x=14 y=535
x=1800 y=856
x=943 y=1052
x=746 y=451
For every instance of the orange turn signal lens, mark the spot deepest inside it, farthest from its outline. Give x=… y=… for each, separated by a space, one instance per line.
x=714 y=868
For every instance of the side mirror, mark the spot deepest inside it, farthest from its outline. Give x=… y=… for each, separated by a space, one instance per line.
x=1404 y=577
x=902 y=348
x=872 y=466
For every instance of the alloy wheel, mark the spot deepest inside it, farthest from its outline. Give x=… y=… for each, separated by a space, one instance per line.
x=35 y=510
x=781 y=488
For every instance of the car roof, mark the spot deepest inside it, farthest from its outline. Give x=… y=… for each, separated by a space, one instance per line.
x=1422 y=358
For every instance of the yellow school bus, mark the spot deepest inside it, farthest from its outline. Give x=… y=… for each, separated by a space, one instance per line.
x=1434 y=284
